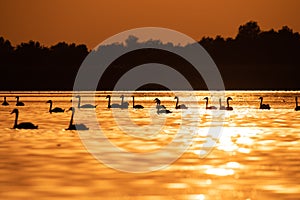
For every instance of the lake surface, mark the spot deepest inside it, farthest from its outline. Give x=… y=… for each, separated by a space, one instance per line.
x=256 y=155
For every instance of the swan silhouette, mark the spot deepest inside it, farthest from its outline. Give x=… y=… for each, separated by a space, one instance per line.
x=209 y=107
x=114 y=105
x=56 y=109
x=228 y=107
x=136 y=106
x=221 y=107
x=182 y=106
x=75 y=126
x=85 y=105
x=263 y=106
x=5 y=103
x=158 y=104
x=123 y=104
x=23 y=125
x=297 y=107
x=161 y=110
x=19 y=103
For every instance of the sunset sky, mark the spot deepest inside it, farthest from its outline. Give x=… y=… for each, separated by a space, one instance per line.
x=92 y=21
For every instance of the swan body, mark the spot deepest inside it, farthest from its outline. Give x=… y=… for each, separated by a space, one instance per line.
x=163 y=111
x=136 y=106
x=297 y=107
x=209 y=107
x=85 y=105
x=158 y=104
x=114 y=105
x=75 y=126
x=5 y=103
x=229 y=107
x=19 y=103
x=182 y=106
x=23 y=125
x=221 y=107
x=56 y=109
x=263 y=106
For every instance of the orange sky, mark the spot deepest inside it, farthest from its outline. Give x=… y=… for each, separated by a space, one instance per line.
x=92 y=21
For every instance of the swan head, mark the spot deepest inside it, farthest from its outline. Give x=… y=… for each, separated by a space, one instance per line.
x=229 y=98
x=49 y=101
x=15 y=111
x=122 y=96
x=260 y=98
x=176 y=97
x=107 y=97
x=17 y=97
x=78 y=96
x=156 y=99
x=206 y=98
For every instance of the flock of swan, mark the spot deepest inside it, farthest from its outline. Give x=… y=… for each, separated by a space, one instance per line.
x=123 y=105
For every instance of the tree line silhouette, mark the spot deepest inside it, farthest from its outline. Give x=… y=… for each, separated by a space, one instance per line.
x=254 y=59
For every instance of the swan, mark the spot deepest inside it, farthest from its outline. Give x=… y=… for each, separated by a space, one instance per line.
x=56 y=109
x=158 y=104
x=209 y=107
x=297 y=107
x=75 y=126
x=221 y=107
x=114 y=105
x=19 y=103
x=163 y=111
x=182 y=106
x=23 y=125
x=85 y=105
x=123 y=104
x=136 y=106
x=263 y=106
x=5 y=103
x=229 y=107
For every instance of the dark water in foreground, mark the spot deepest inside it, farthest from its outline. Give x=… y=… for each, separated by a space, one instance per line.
x=255 y=157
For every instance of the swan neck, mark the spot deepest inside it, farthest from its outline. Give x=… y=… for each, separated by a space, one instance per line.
x=16 y=119
x=206 y=103
x=177 y=100
x=133 y=101
x=50 y=107
x=108 y=105
x=72 y=116
x=227 y=102
x=122 y=101
x=261 y=101
x=296 y=102
x=79 y=99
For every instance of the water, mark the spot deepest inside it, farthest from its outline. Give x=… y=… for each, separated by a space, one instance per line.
x=256 y=157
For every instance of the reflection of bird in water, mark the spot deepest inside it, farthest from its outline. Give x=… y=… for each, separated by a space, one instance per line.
x=209 y=107
x=23 y=125
x=56 y=109
x=297 y=107
x=221 y=107
x=75 y=126
x=114 y=105
x=162 y=110
x=182 y=106
x=263 y=106
x=136 y=106
x=228 y=107
x=158 y=104
x=5 y=103
x=85 y=105
x=19 y=103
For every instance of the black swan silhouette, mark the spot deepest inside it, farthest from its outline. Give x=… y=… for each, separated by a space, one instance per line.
x=114 y=105
x=158 y=104
x=163 y=111
x=123 y=104
x=75 y=126
x=263 y=106
x=5 y=103
x=56 y=109
x=23 y=125
x=182 y=106
x=221 y=107
x=209 y=107
x=136 y=106
x=19 y=103
x=85 y=105
x=297 y=107
x=229 y=107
